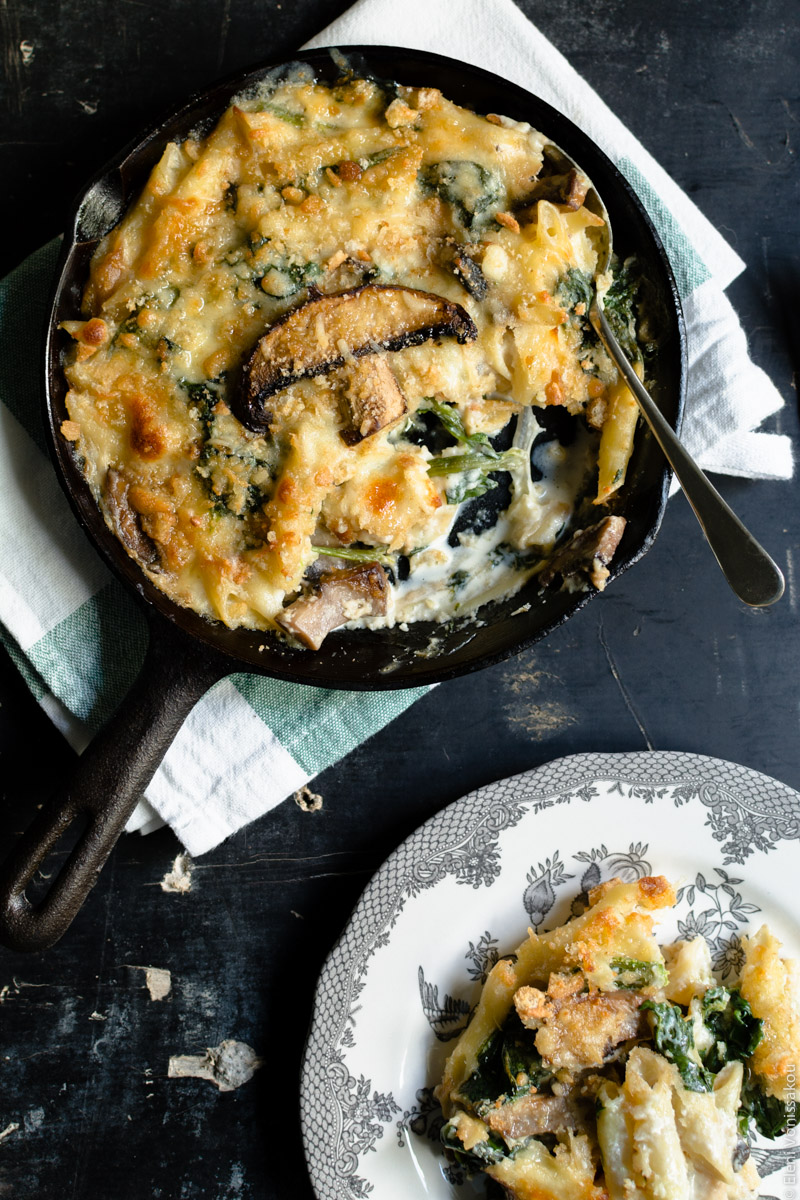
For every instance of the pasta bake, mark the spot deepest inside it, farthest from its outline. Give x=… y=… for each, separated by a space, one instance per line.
x=599 y=1064
x=334 y=366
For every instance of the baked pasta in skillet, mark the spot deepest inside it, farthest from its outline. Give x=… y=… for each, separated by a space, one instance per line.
x=599 y=1064
x=334 y=365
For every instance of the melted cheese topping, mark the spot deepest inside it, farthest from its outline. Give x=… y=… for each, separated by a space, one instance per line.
x=304 y=185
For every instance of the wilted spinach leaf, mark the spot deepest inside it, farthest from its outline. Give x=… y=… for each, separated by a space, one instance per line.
x=675 y=1040
x=769 y=1114
x=735 y=1030
x=474 y=192
x=491 y=1150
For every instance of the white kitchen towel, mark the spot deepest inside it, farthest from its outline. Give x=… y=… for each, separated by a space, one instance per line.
x=77 y=636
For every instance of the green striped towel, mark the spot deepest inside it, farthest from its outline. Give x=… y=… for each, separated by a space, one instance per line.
x=79 y=639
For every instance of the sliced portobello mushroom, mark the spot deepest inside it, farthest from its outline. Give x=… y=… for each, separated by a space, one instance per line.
x=560 y=182
x=126 y=521
x=371 y=399
x=460 y=259
x=329 y=330
x=586 y=555
x=533 y=1115
x=338 y=596
x=568 y=188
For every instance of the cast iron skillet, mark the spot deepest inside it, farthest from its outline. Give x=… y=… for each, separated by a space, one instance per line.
x=187 y=654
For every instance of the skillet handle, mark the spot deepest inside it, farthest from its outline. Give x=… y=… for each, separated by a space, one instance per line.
x=108 y=781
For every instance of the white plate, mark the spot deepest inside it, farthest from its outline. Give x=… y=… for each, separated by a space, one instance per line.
x=464 y=889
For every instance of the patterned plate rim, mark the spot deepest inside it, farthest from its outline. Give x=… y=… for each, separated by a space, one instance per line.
x=461 y=840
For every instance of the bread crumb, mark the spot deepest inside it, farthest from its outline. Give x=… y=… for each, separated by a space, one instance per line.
x=507 y=221
x=179 y=879
x=398 y=114
x=307 y=800
x=70 y=430
x=228 y=1065
x=157 y=980
x=293 y=195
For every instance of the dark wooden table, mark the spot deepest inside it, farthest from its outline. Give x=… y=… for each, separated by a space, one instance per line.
x=667 y=660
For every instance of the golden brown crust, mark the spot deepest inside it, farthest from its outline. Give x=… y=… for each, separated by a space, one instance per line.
x=770 y=985
x=349 y=192
x=577 y=1027
x=148 y=435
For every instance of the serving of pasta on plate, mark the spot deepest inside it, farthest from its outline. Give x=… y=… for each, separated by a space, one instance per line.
x=599 y=1063
x=640 y=1042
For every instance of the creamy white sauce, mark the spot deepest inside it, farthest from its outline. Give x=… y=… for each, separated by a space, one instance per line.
x=446 y=582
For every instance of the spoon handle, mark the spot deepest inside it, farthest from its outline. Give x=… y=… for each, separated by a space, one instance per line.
x=752 y=574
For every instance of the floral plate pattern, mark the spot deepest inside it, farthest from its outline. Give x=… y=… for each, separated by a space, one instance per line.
x=403 y=978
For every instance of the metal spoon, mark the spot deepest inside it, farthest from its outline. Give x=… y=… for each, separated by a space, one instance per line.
x=751 y=572
x=754 y=576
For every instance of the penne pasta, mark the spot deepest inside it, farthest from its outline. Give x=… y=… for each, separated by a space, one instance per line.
x=594 y=1064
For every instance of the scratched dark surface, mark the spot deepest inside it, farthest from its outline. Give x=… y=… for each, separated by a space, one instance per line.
x=668 y=659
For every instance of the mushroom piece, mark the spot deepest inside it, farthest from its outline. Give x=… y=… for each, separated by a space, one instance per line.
x=569 y=189
x=338 y=597
x=587 y=553
x=371 y=399
x=126 y=521
x=329 y=330
x=459 y=259
x=533 y=1115
x=578 y=1029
